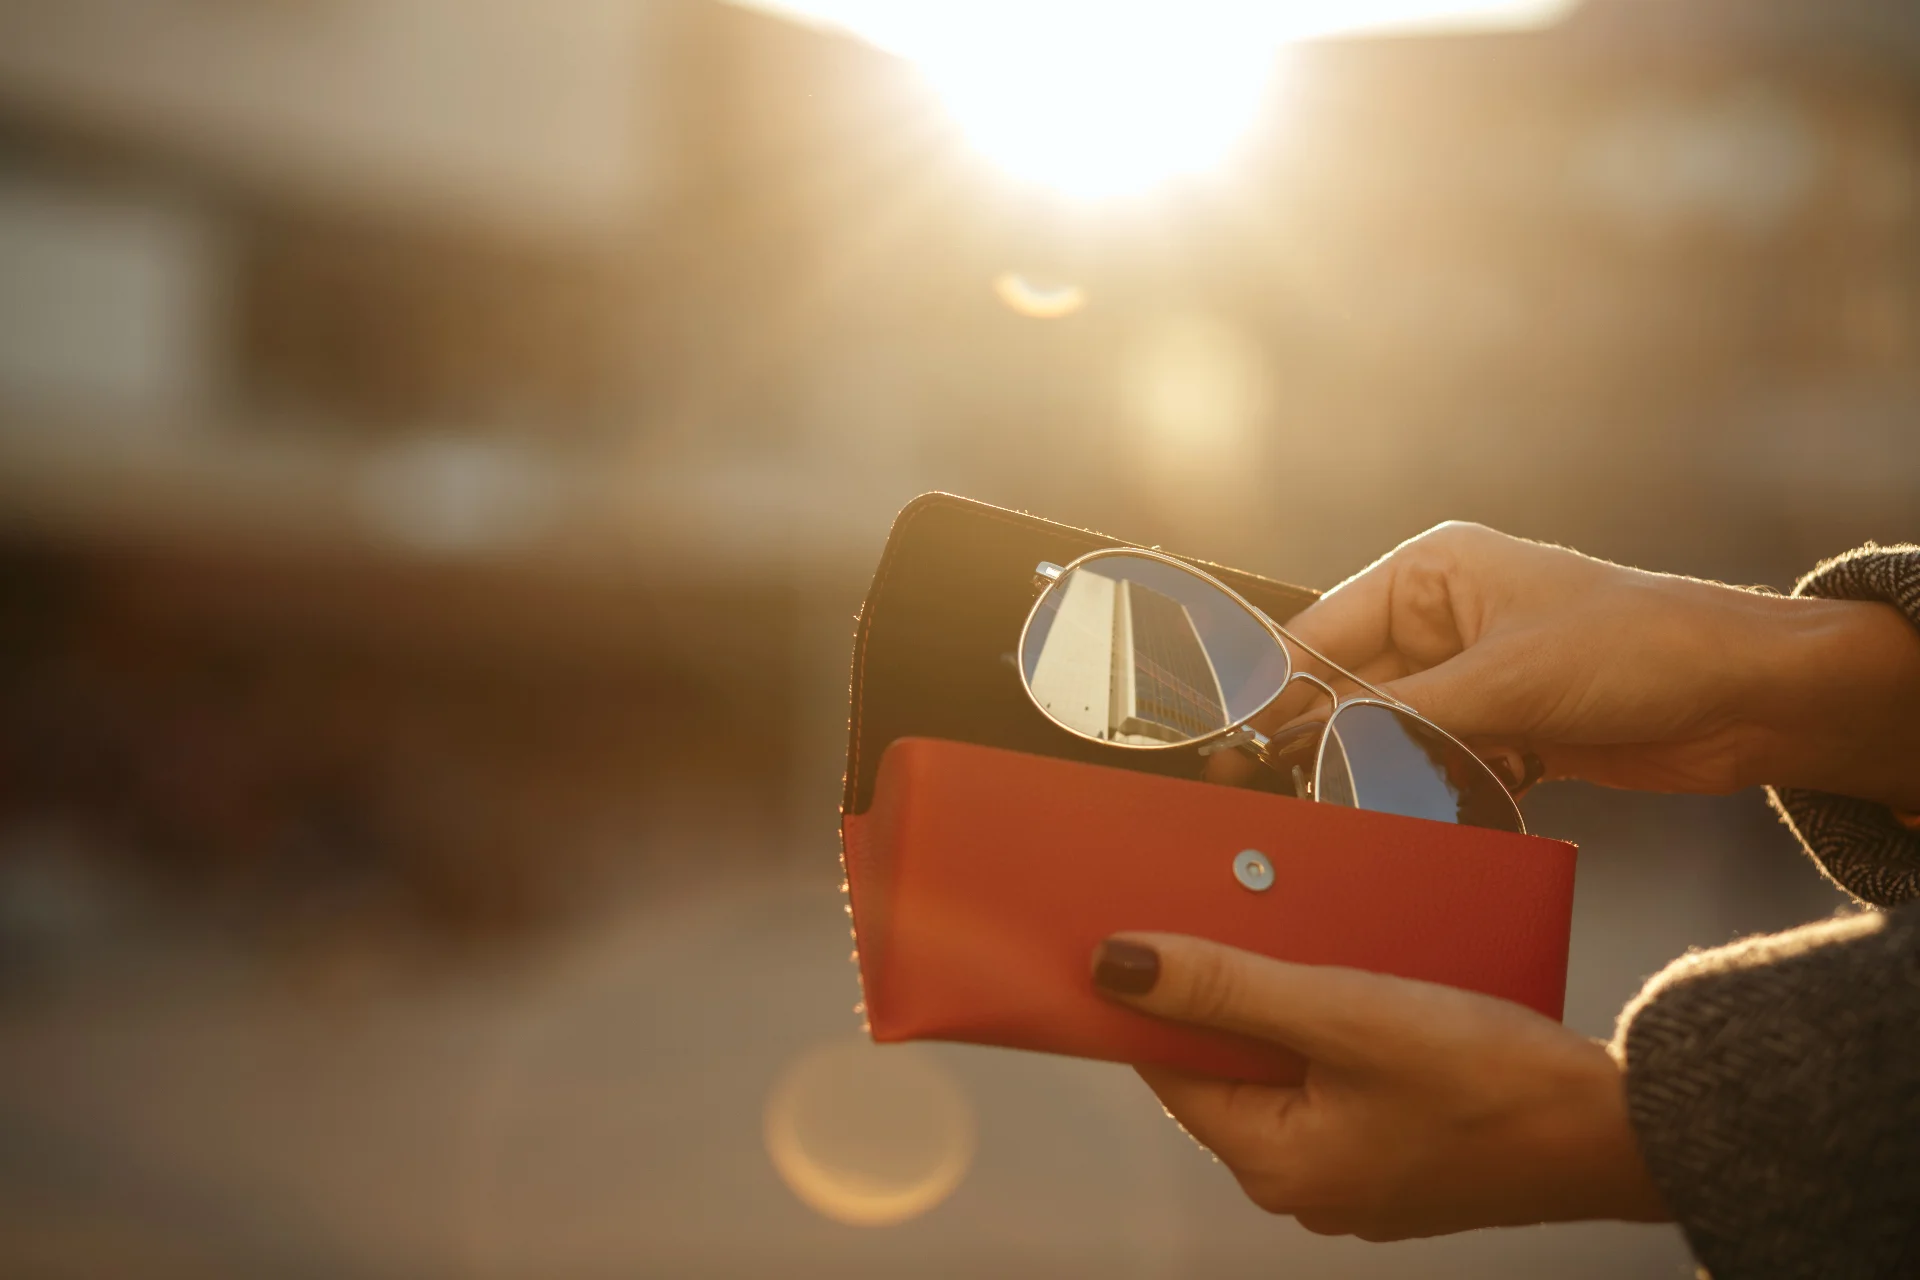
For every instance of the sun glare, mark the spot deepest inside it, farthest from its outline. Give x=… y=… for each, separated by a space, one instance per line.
x=1105 y=97
x=1101 y=100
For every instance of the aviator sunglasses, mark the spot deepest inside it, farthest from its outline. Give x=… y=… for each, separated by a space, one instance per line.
x=1141 y=651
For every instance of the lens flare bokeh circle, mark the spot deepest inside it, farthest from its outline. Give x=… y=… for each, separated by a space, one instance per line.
x=869 y=1135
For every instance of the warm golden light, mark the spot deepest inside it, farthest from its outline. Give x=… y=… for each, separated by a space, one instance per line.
x=869 y=1135
x=1095 y=98
x=1193 y=387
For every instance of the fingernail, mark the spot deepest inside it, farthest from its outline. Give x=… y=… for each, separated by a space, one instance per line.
x=1125 y=968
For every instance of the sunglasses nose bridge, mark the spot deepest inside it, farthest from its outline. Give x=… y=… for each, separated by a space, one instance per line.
x=1307 y=677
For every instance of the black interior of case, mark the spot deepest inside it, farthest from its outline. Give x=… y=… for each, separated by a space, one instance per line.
x=934 y=654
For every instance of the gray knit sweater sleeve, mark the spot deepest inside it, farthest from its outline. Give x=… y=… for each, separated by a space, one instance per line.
x=1859 y=844
x=1775 y=1084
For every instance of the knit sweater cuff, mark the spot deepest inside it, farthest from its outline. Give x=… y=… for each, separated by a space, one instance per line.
x=1770 y=1084
x=1866 y=848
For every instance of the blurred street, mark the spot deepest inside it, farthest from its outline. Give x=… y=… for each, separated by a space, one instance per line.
x=597 y=1110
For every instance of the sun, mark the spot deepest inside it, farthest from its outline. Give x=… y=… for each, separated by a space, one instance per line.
x=1102 y=100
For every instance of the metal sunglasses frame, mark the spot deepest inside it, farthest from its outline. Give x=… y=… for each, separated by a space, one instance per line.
x=1048 y=576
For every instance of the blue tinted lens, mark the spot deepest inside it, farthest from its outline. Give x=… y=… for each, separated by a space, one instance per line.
x=1388 y=761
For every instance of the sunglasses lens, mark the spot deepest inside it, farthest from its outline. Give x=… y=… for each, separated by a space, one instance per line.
x=1133 y=650
x=1391 y=762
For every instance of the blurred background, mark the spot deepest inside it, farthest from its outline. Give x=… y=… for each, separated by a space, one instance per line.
x=443 y=444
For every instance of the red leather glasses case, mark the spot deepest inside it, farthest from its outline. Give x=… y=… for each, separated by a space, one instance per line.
x=987 y=851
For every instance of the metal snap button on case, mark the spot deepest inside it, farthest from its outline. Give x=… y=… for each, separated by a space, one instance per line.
x=1251 y=868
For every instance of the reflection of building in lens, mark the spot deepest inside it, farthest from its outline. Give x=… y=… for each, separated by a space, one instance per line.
x=1169 y=689
x=1125 y=663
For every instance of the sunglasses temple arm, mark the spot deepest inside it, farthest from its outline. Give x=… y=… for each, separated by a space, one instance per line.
x=1373 y=689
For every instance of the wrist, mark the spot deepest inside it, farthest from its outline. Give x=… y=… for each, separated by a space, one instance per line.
x=1595 y=1150
x=1838 y=696
x=1623 y=1186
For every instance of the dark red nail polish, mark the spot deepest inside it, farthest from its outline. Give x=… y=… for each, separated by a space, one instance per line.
x=1126 y=968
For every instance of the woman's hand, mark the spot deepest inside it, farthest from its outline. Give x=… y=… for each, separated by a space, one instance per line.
x=1628 y=678
x=1425 y=1109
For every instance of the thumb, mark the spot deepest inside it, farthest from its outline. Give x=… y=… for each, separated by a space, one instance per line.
x=1340 y=1017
